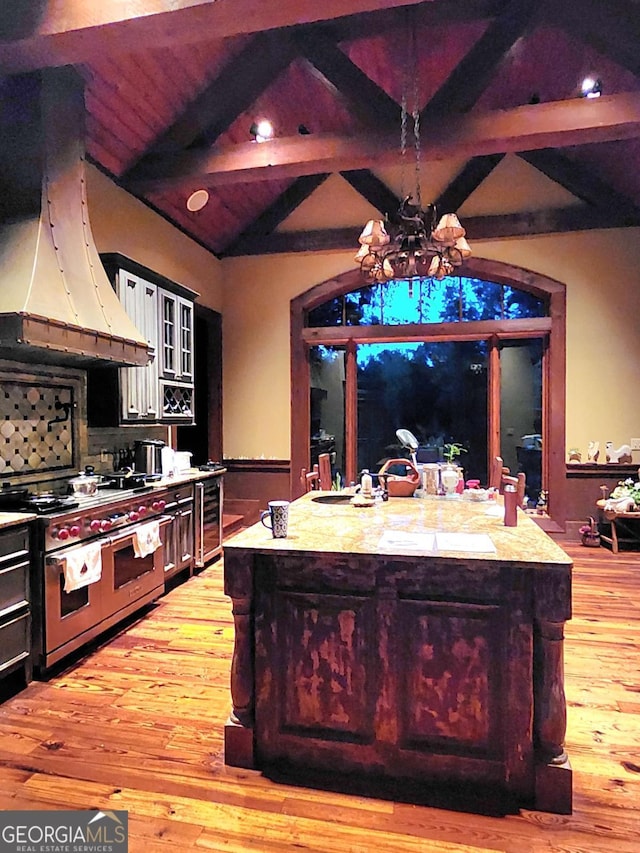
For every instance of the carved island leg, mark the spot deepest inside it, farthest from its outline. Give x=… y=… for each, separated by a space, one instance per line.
x=238 y=733
x=553 y=790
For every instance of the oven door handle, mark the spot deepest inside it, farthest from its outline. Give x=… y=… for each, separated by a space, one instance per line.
x=57 y=560
x=163 y=520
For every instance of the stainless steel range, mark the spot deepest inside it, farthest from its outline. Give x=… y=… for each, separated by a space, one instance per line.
x=100 y=559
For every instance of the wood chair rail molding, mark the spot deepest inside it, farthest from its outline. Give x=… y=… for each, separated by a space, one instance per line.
x=552 y=328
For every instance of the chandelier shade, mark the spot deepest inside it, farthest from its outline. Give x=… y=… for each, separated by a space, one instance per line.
x=411 y=245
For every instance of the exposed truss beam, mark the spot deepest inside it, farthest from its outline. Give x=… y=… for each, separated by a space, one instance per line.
x=531 y=127
x=370 y=101
x=472 y=74
x=469 y=179
x=228 y=96
x=370 y=188
x=68 y=32
x=580 y=181
x=554 y=221
x=612 y=28
x=373 y=190
x=285 y=204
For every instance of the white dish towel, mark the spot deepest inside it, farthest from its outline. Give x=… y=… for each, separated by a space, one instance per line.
x=82 y=566
x=146 y=539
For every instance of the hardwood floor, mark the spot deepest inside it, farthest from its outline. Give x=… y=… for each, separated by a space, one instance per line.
x=138 y=724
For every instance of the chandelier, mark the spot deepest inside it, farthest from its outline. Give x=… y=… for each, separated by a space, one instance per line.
x=414 y=243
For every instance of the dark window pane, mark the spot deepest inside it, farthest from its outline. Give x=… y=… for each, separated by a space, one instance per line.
x=521 y=410
x=518 y=303
x=327 y=314
x=436 y=390
x=327 y=374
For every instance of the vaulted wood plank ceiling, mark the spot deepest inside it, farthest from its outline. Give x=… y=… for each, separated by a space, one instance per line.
x=173 y=87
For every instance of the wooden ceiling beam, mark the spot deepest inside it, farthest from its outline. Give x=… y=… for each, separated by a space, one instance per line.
x=472 y=74
x=367 y=98
x=531 y=127
x=553 y=221
x=373 y=190
x=68 y=32
x=233 y=91
x=612 y=28
x=276 y=213
x=580 y=181
x=469 y=179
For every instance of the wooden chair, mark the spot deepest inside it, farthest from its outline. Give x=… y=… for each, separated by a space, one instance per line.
x=310 y=480
x=324 y=467
x=520 y=482
x=498 y=471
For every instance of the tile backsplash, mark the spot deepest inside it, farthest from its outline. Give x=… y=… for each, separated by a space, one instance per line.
x=44 y=436
x=36 y=427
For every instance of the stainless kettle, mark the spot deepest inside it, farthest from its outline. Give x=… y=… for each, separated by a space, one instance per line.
x=147 y=455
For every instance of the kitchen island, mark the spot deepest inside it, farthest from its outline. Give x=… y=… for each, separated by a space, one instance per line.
x=415 y=641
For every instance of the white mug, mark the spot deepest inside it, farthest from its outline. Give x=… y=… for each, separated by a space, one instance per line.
x=278 y=513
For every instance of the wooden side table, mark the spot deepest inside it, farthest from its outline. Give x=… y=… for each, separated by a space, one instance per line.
x=629 y=534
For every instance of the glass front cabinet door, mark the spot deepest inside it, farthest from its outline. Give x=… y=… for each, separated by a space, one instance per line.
x=176 y=348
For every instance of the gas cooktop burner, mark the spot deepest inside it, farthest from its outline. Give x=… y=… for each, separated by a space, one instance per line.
x=43 y=504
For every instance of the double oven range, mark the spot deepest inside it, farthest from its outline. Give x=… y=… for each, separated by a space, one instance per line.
x=113 y=521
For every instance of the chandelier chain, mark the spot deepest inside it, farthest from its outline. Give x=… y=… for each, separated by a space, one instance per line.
x=416 y=135
x=403 y=130
x=414 y=244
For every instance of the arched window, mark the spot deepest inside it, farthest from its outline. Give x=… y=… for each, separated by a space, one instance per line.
x=478 y=359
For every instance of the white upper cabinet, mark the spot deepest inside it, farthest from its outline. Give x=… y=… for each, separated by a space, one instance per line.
x=176 y=334
x=139 y=386
x=162 y=391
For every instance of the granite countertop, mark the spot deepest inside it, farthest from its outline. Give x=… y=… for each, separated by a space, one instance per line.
x=190 y=475
x=444 y=527
x=11 y=519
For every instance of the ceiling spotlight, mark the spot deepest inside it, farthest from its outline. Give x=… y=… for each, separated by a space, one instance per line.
x=197 y=200
x=261 y=131
x=591 y=87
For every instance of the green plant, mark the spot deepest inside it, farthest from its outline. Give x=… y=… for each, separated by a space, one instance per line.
x=452 y=450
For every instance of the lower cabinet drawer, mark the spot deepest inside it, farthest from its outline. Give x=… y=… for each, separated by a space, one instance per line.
x=14 y=587
x=14 y=545
x=14 y=640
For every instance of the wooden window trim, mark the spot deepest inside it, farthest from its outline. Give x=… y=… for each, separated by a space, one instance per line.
x=552 y=328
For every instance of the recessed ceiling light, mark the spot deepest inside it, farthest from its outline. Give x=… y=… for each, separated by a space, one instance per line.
x=197 y=200
x=261 y=130
x=591 y=87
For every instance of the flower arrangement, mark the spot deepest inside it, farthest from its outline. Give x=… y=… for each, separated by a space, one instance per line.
x=627 y=489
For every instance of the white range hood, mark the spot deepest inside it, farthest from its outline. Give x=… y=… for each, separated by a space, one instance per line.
x=56 y=302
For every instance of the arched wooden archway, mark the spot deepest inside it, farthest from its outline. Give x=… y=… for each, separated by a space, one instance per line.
x=553 y=327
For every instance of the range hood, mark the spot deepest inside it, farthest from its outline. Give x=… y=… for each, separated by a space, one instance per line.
x=56 y=302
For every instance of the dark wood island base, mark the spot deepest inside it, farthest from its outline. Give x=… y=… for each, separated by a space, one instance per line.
x=365 y=646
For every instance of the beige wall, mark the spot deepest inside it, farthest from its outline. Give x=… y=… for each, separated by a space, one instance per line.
x=602 y=272
x=121 y=223
x=600 y=269
x=255 y=334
